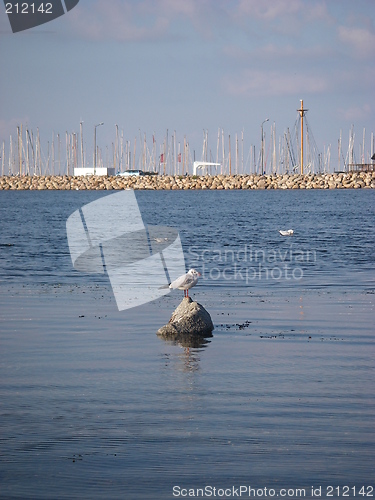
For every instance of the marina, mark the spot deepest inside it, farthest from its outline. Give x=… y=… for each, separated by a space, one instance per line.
x=293 y=152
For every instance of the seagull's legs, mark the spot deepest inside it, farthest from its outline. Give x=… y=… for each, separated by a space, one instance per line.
x=187 y=293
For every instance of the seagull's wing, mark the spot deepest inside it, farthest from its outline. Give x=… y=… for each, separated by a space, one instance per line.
x=182 y=281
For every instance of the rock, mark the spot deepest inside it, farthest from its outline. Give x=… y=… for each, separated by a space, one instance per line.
x=190 y=321
x=348 y=180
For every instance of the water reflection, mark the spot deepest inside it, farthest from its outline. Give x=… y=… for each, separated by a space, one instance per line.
x=189 y=358
x=187 y=340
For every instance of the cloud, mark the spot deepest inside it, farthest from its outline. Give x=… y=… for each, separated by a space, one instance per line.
x=173 y=8
x=256 y=83
x=288 y=17
x=355 y=113
x=143 y=20
x=357 y=79
x=359 y=40
x=117 y=20
x=277 y=53
x=131 y=20
x=268 y=10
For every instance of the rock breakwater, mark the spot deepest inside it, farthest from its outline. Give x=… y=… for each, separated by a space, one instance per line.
x=350 y=180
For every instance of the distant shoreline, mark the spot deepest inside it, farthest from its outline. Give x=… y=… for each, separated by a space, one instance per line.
x=349 y=180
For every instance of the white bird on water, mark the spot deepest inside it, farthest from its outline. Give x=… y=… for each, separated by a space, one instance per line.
x=288 y=232
x=186 y=281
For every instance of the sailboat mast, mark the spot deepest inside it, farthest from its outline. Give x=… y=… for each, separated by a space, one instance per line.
x=302 y=114
x=301 y=137
x=230 y=158
x=223 y=148
x=363 y=146
x=184 y=157
x=81 y=136
x=58 y=152
x=115 y=156
x=217 y=146
x=242 y=166
x=53 y=152
x=135 y=147
x=236 y=154
x=3 y=159
x=144 y=153
x=19 y=134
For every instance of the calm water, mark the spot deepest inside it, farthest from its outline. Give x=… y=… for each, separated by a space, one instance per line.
x=95 y=405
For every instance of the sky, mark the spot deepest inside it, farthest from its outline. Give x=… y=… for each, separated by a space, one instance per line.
x=194 y=67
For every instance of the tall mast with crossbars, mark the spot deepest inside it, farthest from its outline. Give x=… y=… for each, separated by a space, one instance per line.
x=302 y=114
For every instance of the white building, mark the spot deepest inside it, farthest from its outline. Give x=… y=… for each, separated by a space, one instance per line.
x=205 y=167
x=91 y=171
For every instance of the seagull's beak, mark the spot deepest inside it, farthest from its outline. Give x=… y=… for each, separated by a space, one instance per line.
x=199 y=274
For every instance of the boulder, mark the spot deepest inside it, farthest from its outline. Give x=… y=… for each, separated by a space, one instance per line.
x=189 y=322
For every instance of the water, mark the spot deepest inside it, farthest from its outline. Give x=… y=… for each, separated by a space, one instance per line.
x=95 y=405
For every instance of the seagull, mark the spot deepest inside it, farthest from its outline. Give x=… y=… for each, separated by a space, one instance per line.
x=289 y=232
x=185 y=282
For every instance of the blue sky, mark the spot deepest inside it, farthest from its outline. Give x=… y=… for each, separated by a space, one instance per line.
x=194 y=65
